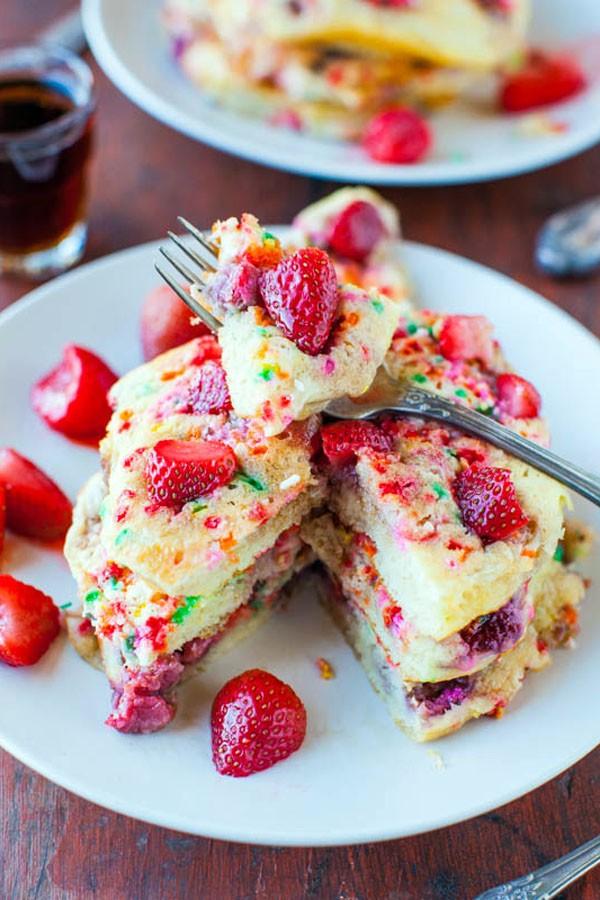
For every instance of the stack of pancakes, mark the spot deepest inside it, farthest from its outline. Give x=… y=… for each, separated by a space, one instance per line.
x=328 y=65
x=446 y=625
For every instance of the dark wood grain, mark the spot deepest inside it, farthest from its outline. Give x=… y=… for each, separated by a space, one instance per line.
x=54 y=845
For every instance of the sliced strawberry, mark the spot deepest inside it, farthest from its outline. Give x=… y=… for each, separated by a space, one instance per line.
x=165 y=322
x=517 y=397
x=29 y=622
x=467 y=338
x=207 y=391
x=301 y=296
x=180 y=471
x=72 y=397
x=397 y=135
x=256 y=721
x=205 y=348
x=35 y=506
x=488 y=502
x=356 y=231
x=545 y=79
x=2 y=516
x=234 y=286
x=343 y=440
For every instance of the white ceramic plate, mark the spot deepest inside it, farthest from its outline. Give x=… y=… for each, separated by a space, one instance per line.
x=129 y=43
x=357 y=778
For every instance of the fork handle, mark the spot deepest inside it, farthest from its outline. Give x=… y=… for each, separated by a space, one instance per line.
x=550 y=880
x=430 y=406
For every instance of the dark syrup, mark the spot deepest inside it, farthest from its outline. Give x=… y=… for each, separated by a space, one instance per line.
x=42 y=181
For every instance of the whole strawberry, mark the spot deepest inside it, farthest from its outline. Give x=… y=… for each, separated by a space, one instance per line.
x=488 y=502
x=301 y=296
x=180 y=471
x=256 y=721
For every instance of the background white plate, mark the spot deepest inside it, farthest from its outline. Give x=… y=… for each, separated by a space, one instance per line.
x=357 y=778
x=131 y=46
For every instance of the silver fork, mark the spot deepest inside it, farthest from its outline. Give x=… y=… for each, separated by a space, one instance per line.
x=550 y=880
x=388 y=395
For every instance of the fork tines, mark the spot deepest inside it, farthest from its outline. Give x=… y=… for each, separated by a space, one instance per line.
x=205 y=261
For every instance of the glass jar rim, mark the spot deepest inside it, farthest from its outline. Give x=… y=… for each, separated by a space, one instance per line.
x=18 y=55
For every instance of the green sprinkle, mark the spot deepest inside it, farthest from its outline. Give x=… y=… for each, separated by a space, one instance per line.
x=430 y=330
x=264 y=332
x=377 y=306
x=129 y=642
x=485 y=410
x=256 y=603
x=114 y=583
x=183 y=611
x=267 y=236
x=65 y=606
x=252 y=482
x=122 y=536
x=460 y=392
x=412 y=328
x=266 y=373
x=439 y=490
x=197 y=507
x=419 y=378
x=91 y=597
x=559 y=553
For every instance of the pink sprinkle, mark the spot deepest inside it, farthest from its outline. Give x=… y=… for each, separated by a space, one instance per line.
x=212 y=522
x=365 y=352
x=328 y=366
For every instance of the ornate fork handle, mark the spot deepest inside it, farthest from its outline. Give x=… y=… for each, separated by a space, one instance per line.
x=550 y=880
x=431 y=406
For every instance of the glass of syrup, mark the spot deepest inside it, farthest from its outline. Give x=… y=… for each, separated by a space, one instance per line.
x=46 y=120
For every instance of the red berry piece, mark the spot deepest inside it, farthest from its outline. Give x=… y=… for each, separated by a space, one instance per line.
x=397 y=136
x=545 y=79
x=29 y=622
x=205 y=348
x=72 y=397
x=464 y=338
x=234 y=286
x=342 y=440
x=2 y=516
x=356 y=231
x=301 y=296
x=488 y=502
x=165 y=322
x=35 y=506
x=205 y=392
x=517 y=397
x=180 y=471
x=256 y=721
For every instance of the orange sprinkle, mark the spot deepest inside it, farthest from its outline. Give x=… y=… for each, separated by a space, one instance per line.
x=227 y=542
x=170 y=374
x=326 y=670
x=530 y=554
x=352 y=318
x=178 y=556
x=126 y=414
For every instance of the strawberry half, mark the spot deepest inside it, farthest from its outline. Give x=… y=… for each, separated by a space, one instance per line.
x=356 y=231
x=545 y=79
x=341 y=441
x=165 y=322
x=464 y=338
x=488 y=502
x=397 y=135
x=301 y=296
x=35 y=506
x=256 y=721
x=29 y=622
x=517 y=397
x=72 y=397
x=180 y=471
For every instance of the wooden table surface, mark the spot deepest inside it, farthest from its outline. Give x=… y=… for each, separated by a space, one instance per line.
x=55 y=845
